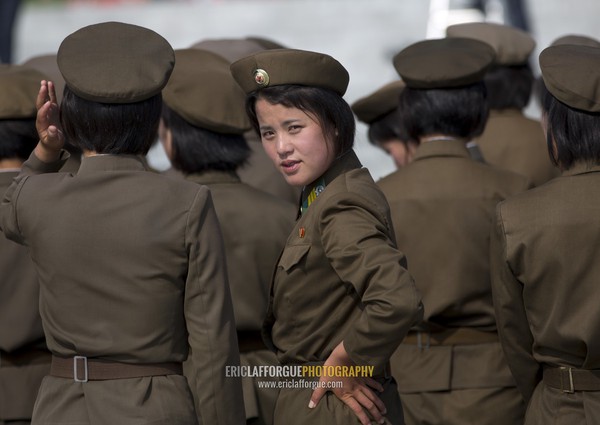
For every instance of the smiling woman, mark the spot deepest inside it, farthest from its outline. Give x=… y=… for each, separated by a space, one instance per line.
x=341 y=295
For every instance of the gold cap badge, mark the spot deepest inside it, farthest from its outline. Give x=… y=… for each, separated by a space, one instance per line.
x=261 y=77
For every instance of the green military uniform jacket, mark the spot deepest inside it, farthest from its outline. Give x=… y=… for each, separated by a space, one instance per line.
x=545 y=272
x=131 y=269
x=514 y=142
x=255 y=226
x=442 y=208
x=340 y=277
x=21 y=332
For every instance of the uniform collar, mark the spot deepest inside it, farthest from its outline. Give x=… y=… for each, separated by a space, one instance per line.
x=437 y=148
x=213 y=176
x=581 y=168
x=90 y=164
x=342 y=164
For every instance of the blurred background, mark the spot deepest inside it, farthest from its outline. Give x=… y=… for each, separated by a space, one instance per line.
x=362 y=34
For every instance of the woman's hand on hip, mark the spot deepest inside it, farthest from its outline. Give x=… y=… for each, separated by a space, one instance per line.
x=356 y=392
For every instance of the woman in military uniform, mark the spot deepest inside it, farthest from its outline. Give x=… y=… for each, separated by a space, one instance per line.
x=545 y=253
x=340 y=295
x=380 y=112
x=202 y=128
x=24 y=358
x=450 y=369
x=511 y=140
x=131 y=263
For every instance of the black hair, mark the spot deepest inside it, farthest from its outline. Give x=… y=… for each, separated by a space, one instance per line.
x=387 y=127
x=18 y=138
x=572 y=135
x=110 y=128
x=509 y=86
x=458 y=112
x=196 y=149
x=331 y=111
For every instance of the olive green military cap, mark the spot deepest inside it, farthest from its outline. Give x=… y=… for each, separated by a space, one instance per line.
x=512 y=45
x=47 y=65
x=113 y=62
x=231 y=49
x=290 y=66
x=203 y=91
x=444 y=63
x=379 y=103
x=19 y=87
x=572 y=74
x=576 y=39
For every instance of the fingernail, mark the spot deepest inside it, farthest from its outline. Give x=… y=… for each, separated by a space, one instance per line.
x=311 y=405
x=382 y=420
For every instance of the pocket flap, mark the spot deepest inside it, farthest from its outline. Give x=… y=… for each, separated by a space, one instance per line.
x=292 y=254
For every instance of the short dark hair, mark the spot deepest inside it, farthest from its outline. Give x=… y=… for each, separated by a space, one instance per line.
x=332 y=112
x=576 y=133
x=198 y=149
x=458 y=112
x=387 y=127
x=18 y=138
x=509 y=86
x=110 y=128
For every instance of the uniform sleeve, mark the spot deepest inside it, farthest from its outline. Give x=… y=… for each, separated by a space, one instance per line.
x=9 y=220
x=356 y=242
x=209 y=318
x=513 y=326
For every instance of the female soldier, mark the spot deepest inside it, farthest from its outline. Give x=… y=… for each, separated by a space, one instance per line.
x=203 y=124
x=130 y=262
x=380 y=112
x=24 y=358
x=341 y=295
x=545 y=253
x=450 y=369
x=511 y=140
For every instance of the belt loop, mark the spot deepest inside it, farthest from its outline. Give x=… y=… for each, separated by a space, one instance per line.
x=420 y=340
x=570 y=389
x=85 y=369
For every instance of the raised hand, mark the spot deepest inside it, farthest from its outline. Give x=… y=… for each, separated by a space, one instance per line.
x=48 y=124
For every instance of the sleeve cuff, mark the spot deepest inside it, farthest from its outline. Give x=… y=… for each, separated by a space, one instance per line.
x=35 y=166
